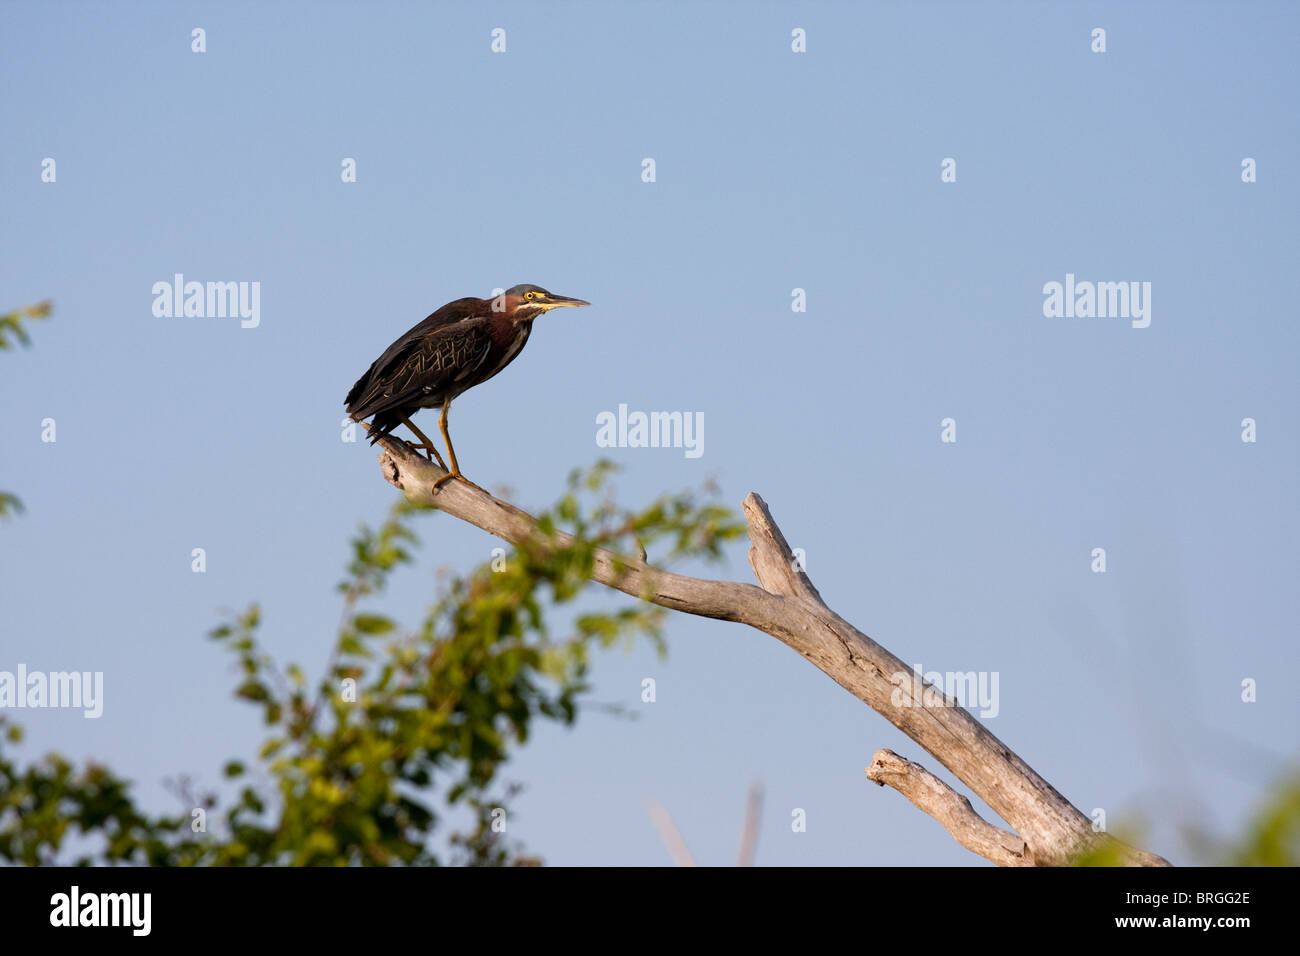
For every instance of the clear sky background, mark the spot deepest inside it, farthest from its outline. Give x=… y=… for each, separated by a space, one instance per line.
x=775 y=171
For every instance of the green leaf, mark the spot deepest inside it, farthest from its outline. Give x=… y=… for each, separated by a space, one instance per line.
x=372 y=624
x=253 y=690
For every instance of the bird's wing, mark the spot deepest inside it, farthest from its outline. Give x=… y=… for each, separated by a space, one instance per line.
x=430 y=363
x=398 y=353
x=449 y=315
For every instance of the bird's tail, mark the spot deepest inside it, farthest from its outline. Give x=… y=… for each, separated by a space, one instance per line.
x=381 y=425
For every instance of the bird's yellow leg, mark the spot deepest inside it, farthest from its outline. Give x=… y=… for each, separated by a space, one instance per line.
x=428 y=445
x=454 y=470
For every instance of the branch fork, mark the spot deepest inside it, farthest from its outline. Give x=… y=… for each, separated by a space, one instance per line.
x=1046 y=829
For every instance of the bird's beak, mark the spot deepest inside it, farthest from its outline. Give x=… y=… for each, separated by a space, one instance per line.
x=560 y=301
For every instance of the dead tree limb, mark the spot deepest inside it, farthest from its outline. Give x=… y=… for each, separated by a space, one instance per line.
x=1049 y=830
x=931 y=795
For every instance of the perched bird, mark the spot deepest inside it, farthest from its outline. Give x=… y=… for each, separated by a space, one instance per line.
x=464 y=343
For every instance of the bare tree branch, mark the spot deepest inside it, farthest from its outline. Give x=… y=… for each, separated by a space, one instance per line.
x=749 y=830
x=787 y=606
x=931 y=795
x=671 y=836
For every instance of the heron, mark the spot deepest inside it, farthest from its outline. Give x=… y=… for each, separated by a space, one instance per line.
x=461 y=345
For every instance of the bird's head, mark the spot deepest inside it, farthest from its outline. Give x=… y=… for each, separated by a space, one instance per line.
x=524 y=302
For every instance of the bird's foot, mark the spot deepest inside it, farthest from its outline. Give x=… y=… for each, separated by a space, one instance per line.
x=456 y=476
x=430 y=453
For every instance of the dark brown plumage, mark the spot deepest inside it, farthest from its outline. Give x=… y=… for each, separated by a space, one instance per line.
x=463 y=344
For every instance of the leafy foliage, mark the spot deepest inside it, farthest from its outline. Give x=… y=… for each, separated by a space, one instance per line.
x=11 y=323
x=11 y=330
x=1270 y=837
x=9 y=504
x=363 y=767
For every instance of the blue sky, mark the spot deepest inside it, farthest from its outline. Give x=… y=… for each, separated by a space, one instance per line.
x=774 y=171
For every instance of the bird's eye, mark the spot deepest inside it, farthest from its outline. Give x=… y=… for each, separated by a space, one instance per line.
x=530 y=295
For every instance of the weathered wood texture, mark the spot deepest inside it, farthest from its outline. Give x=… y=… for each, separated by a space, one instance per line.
x=1049 y=830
